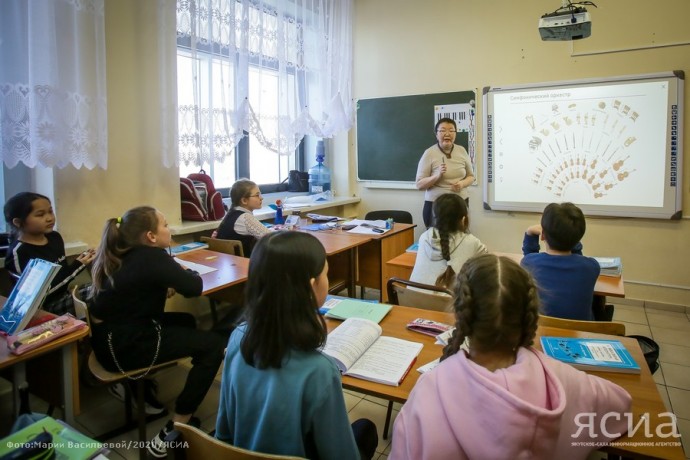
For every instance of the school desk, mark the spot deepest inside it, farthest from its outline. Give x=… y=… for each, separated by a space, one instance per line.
x=67 y=345
x=646 y=400
x=401 y=267
x=341 y=249
x=374 y=250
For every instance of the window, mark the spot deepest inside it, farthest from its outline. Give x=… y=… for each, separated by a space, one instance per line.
x=255 y=79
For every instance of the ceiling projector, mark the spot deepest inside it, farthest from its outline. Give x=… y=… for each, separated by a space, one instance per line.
x=573 y=24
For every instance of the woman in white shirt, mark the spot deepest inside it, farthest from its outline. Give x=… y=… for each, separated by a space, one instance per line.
x=444 y=168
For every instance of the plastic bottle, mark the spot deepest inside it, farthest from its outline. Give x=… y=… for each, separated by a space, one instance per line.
x=319 y=175
x=279 y=213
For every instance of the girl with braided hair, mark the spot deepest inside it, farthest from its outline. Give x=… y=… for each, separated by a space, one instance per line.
x=500 y=397
x=447 y=245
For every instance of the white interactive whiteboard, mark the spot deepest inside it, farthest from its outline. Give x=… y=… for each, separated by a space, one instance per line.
x=612 y=146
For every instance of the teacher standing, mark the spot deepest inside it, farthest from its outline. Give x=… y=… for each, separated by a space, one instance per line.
x=443 y=168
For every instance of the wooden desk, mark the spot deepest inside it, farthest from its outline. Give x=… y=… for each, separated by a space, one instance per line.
x=642 y=388
x=341 y=249
x=67 y=345
x=401 y=267
x=372 y=269
x=230 y=270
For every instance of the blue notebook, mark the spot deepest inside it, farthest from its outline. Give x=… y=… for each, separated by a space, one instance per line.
x=591 y=354
x=181 y=249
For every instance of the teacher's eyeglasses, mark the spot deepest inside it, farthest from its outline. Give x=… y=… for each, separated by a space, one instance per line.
x=258 y=195
x=446 y=131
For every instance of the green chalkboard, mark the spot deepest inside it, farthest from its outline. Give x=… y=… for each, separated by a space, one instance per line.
x=393 y=132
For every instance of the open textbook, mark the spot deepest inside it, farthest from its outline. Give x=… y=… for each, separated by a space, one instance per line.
x=360 y=351
x=27 y=295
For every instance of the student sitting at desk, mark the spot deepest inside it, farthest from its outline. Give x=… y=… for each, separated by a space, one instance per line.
x=564 y=276
x=279 y=394
x=133 y=275
x=31 y=221
x=447 y=245
x=502 y=398
x=239 y=223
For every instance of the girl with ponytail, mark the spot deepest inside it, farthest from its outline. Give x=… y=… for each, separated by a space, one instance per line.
x=497 y=396
x=133 y=275
x=447 y=244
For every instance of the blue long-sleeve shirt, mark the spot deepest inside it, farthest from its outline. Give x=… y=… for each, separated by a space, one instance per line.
x=565 y=283
x=294 y=410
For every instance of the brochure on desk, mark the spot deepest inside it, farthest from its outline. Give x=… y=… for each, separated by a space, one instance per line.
x=27 y=295
x=591 y=354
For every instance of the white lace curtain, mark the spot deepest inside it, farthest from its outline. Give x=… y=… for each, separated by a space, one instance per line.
x=278 y=69
x=52 y=83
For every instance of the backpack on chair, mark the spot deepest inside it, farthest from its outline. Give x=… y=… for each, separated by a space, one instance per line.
x=192 y=207
x=213 y=201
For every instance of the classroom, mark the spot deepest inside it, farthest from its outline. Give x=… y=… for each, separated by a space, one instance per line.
x=406 y=47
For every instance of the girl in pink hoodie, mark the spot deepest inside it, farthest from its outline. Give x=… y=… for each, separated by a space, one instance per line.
x=503 y=398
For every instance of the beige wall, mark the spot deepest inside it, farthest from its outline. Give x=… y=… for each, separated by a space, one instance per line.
x=407 y=47
x=85 y=199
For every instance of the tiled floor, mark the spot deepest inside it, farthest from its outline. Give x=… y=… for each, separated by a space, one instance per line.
x=671 y=330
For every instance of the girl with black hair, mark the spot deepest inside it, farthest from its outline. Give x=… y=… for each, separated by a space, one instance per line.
x=279 y=394
x=447 y=245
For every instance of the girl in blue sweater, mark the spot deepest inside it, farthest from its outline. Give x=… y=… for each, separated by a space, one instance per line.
x=279 y=394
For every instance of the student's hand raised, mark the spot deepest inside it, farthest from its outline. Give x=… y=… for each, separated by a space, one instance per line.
x=87 y=256
x=534 y=230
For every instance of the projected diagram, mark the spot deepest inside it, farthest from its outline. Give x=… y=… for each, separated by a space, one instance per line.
x=576 y=146
x=590 y=147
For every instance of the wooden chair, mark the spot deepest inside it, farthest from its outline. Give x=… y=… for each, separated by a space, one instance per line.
x=428 y=299
x=107 y=377
x=601 y=327
x=233 y=247
x=400 y=294
x=189 y=443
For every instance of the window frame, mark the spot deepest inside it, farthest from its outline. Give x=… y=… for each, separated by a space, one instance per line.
x=242 y=150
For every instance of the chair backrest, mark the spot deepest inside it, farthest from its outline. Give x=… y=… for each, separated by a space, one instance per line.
x=402 y=217
x=233 y=247
x=602 y=327
x=422 y=295
x=191 y=443
x=80 y=307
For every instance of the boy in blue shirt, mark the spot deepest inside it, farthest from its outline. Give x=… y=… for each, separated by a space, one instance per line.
x=565 y=278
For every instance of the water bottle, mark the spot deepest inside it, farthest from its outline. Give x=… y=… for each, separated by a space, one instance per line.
x=319 y=175
x=279 y=213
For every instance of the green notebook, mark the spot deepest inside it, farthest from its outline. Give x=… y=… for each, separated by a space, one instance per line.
x=68 y=442
x=352 y=308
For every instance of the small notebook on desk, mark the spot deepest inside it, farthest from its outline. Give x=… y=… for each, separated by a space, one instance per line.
x=187 y=247
x=344 y=308
x=360 y=351
x=591 y=354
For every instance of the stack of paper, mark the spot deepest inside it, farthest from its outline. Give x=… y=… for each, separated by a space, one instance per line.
x=610 y=266
x=366 y=227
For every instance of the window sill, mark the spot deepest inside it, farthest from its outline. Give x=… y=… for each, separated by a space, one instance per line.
x=264 y=213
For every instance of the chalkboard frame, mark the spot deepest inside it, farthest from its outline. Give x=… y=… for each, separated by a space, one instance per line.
x=394 y=132
x=673 y=155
